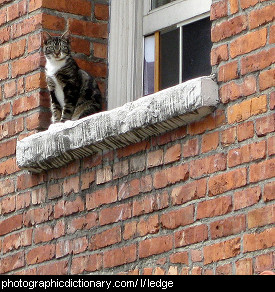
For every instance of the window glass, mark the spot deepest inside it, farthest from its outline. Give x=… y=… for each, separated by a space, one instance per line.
x=158 y=3
x=169 y=58
x=196 y=47
x=149 y=65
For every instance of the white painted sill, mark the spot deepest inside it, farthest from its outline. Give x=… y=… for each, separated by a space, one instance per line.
x=133 y=122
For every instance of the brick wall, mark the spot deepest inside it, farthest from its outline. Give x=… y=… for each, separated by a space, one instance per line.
x=197 y=200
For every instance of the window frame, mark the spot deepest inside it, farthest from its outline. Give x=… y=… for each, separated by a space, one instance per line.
x=126 y=46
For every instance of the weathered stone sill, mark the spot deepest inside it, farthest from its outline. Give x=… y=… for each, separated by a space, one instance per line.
x=133 y=122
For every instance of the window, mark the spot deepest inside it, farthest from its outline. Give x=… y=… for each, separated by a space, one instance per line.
x=174 y=53
x=155 y=44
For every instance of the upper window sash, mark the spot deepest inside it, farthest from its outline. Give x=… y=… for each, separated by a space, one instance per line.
x=178 y=12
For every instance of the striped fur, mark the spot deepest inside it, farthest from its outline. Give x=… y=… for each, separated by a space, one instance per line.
x=74 y=92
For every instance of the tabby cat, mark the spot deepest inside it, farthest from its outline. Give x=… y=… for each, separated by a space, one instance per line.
x=74 y=92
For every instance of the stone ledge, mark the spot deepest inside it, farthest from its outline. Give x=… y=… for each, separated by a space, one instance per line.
x=133 y=122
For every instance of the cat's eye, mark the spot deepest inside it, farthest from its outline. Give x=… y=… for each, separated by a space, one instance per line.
x=177 y=54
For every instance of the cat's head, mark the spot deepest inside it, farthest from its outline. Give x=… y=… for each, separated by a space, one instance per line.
x=56 y=47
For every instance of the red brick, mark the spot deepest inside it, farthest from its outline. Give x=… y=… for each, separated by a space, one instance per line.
x=170 y=176
x=272 y=35
x=191 y=148
x=25 y=104
x=7 y=186
x=257 y=61
x=71 y=185
x=94 y=30
x=17 y=49
x=247 y=153
x=4 y=71
x=148 y=226
x=81 y=7
x=228 y=226
x=190 y=191
x=132 y=149
x=234 y=6
x=10 y=224
x=26 y=26
x=227 y=181
x=11 y=128
x=245 y=131
x=90 y=263
x=17 y=240
x=150 y=204
x=267 y=79
x=12 y=262
x=38 y=120
x=244 y=267
x=40 y=254
x=265 y=125
x=119 y=256
x=155 y=158
x=105 y=238
x=269 y=192
x=257 y=241
x=115 y=214
x=101 y=12
x=219 y=54
x=37 y=80
x=215 y=207
x=248 y=3
x=5 y=111
x=16 y=10
x=248 y=42
x=209 y=142
x=261 y=217
x=228 y=71
x=53 y=22
x=4 y=35
x=261 y=16
x=209 y=123
x=56 y=268
x=172 y=154
x=83 y=222
x=207 y=165
x=228 y=136
x=236 y=89
x=264 y=262
x=7 y=205
x=38 y=215
x=25 y=65
x=191 y=235
x=221 y=251
x=101 y=197
x=154 y=246
x=262 y=170
x=228 y=28
x=247 y=108
x=181 y=217
x=7 y=148
x=246 y=198
x=100 y=50
x=218 y=10
x=179 y=258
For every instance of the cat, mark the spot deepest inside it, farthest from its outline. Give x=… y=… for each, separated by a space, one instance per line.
x=74 y=92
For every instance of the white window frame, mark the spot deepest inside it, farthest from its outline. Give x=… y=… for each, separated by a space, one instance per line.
x=130 y=22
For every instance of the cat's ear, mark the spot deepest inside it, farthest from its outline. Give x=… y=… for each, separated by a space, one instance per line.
x=66 y=36
x=46 y=36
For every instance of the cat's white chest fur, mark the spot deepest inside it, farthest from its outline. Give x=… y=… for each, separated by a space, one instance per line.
x=52 y=66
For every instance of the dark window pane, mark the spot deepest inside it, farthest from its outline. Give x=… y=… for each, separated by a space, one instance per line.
x=158 y=3
x=196 y=49
x=169 y=58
